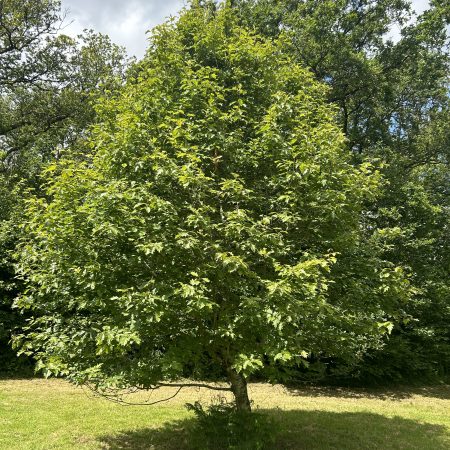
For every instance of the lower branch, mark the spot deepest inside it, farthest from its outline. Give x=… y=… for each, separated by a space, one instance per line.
x=115 y=395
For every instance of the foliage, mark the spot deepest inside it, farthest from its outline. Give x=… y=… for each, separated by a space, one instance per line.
x=384 y=90
x=393 y=105
x=418 y=205
x=48 y=83
x=218 y=221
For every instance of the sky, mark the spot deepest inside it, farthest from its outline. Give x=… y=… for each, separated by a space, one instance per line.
x=126 y=21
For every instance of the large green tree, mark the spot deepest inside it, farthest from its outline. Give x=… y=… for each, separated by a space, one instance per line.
x=48 y=83
x=217 y=224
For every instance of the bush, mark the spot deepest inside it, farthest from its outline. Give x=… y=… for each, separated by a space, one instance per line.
x=221 y=426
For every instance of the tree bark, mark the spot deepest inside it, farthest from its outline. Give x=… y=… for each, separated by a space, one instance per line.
x=239 y=389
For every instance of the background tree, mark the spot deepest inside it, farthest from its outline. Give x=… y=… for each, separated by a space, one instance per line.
x=48 y=83
x=208 y=226
x=393 y=102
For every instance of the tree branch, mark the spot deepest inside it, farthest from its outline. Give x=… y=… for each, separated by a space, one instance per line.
x=116 y=398
x=199 y=385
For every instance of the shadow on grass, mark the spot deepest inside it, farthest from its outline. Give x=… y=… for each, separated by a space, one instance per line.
x=310 y=430
x=382 y=393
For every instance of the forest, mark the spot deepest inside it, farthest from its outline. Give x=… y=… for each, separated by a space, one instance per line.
x=263 y=197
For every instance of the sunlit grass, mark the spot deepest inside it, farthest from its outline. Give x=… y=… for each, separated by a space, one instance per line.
x=51 y=414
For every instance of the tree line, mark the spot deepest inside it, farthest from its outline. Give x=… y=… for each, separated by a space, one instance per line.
x=265 y=194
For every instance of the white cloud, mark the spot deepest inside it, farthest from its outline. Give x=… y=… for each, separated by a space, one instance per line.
x=126 y=22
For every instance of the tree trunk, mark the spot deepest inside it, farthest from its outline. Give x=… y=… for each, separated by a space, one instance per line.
x=239 y=389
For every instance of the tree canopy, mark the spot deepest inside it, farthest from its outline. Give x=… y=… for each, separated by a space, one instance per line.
x=215 y=222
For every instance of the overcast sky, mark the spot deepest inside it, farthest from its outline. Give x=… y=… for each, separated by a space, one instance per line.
x=126 y=21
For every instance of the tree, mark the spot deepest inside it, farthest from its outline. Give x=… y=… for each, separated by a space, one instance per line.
x=207 y=226
x=384 y=90
x=393 y=103
x=48 y=83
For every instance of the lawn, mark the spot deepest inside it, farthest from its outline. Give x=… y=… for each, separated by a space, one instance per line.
x=51 y=414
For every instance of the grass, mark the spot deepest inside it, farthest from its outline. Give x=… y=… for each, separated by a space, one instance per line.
x=51 y=414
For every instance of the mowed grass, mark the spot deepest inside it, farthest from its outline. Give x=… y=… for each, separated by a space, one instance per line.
x=51 y=414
